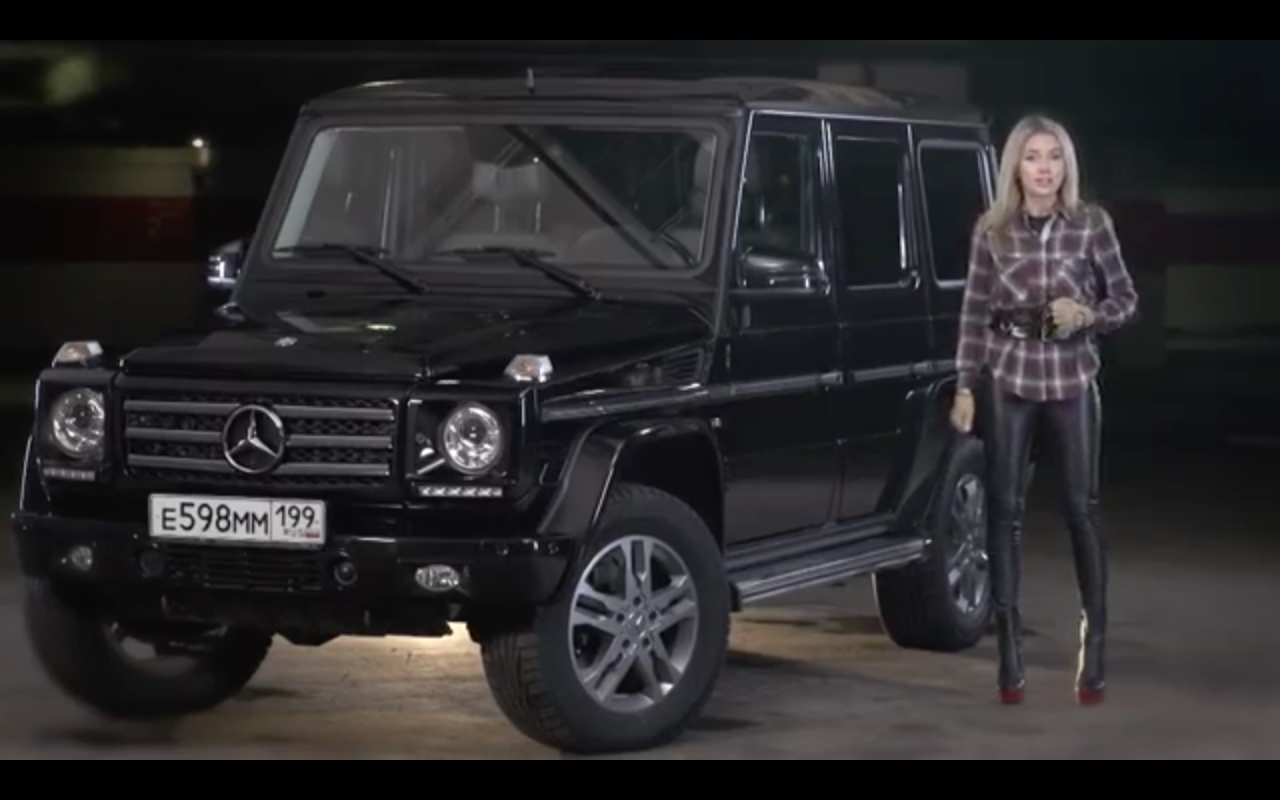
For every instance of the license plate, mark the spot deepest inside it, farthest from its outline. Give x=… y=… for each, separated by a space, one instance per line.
x=233 y=520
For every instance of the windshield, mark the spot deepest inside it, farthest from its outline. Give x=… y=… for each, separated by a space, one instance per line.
x=596 y=199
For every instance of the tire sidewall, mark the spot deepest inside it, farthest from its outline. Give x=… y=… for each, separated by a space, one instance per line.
x=73 y=643
x=666 y=520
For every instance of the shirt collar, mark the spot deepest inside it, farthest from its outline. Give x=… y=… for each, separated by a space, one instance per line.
x=1059 y=214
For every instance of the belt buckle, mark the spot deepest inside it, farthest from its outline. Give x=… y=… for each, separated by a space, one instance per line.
x=1010 y=327
x=1048 y=330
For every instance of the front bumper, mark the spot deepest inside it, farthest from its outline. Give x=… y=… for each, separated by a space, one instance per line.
x=495 y=573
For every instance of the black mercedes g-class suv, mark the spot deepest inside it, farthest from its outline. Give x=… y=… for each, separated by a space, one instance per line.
x=585 y=366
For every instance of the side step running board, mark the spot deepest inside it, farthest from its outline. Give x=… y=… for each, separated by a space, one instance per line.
x=757 y=582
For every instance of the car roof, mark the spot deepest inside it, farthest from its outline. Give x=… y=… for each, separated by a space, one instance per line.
x=731 y=93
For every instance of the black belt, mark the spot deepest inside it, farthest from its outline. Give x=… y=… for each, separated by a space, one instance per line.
x=1025 y=323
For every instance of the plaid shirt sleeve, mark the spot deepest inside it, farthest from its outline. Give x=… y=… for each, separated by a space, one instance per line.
x=975 y=313
x=1121 y=303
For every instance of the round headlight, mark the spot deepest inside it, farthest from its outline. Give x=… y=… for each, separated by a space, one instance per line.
x=473 y=439
x=78 y=421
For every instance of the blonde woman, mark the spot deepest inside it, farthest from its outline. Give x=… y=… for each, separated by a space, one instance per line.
x=1047 y=278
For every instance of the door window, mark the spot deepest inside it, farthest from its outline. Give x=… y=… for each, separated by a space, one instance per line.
x=870 y=188
x=955 y=197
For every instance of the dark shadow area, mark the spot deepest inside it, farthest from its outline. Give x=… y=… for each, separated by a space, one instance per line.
x=758 y=662
x=114 y=737
x=722 y=725
x=259 y=694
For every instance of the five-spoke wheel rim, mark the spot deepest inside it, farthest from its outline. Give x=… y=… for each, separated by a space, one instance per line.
x=634 y=624
x=969 y=567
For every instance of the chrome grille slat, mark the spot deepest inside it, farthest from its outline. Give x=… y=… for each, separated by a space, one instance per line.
x=204 y=409
x=176 y=434
x=214 y=437
x=286 y=412
x=175 y=437
x=352 y=442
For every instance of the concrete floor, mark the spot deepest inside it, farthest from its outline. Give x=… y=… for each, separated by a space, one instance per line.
x=1195 y=663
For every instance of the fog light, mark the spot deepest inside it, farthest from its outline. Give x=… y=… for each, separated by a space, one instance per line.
x=81 y=559
x=438 y=579
x=346 y=574
x=152 y=564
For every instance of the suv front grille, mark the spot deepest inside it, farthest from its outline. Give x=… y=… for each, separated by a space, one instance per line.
x=330 y=442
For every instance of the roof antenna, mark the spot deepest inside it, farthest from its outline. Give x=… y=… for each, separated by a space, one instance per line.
x=531 y=81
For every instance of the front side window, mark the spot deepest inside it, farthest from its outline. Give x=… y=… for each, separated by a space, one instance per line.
x=595 y=199
x=779 y=195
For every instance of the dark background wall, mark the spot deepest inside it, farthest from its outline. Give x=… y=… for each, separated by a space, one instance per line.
x=110 y=209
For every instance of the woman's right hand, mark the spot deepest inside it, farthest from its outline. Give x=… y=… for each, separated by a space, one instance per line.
x=963 y=412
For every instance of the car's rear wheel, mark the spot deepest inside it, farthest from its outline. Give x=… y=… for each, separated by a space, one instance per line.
x=102 y=661
x=943 y=603
x=630 y=653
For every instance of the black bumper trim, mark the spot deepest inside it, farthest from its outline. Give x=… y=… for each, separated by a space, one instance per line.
x=496 y=572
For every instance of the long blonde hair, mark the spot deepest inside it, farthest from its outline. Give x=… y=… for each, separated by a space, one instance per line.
x=1009 y=198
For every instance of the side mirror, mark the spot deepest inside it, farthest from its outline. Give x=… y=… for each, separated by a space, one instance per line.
x=222 y=270
x=766 y=269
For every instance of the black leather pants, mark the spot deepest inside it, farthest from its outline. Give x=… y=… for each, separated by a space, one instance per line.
x=1073 y=431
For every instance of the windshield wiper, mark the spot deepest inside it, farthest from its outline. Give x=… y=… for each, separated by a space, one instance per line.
x=372 y=256
x=597 y=201
x=533 y=259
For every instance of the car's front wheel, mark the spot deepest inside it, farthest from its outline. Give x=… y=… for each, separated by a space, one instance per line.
x=630 y=653
x=131 y=671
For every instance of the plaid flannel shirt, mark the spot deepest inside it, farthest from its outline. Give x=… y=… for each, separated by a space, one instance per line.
x=1023 y=268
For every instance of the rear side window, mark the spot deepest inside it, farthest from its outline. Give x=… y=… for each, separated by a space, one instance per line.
x=955 y=197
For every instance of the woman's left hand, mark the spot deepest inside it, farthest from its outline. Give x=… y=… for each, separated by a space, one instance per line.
x=1071 y=317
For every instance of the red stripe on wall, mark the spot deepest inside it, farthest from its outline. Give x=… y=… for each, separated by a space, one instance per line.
x=1143 y=229
x=1242 y=241
x=1154 y=239
x=90 y=229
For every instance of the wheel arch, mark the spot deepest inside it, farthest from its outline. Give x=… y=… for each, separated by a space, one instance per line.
x=928 y=449
x=31 y=493
x=679 y=456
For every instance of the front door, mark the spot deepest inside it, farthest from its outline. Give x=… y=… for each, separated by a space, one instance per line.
x=780 y=436
x=884 y=314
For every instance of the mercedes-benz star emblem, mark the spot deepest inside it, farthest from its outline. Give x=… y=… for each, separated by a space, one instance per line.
x=253 y=440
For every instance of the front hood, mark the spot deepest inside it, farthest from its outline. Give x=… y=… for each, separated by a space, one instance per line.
x=404 y=340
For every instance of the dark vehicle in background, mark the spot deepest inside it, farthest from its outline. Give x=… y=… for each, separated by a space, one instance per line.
x=586 y=366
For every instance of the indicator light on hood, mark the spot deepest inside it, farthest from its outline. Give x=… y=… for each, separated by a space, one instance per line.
x=78 y=354
x=530 y=369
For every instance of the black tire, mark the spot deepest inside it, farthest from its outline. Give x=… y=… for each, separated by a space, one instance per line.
x=74 y=646
x=917 y=605
x=531 y=670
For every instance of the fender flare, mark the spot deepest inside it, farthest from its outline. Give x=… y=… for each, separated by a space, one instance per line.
x=933 y=442
x=593 y=464
x=31 y=494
